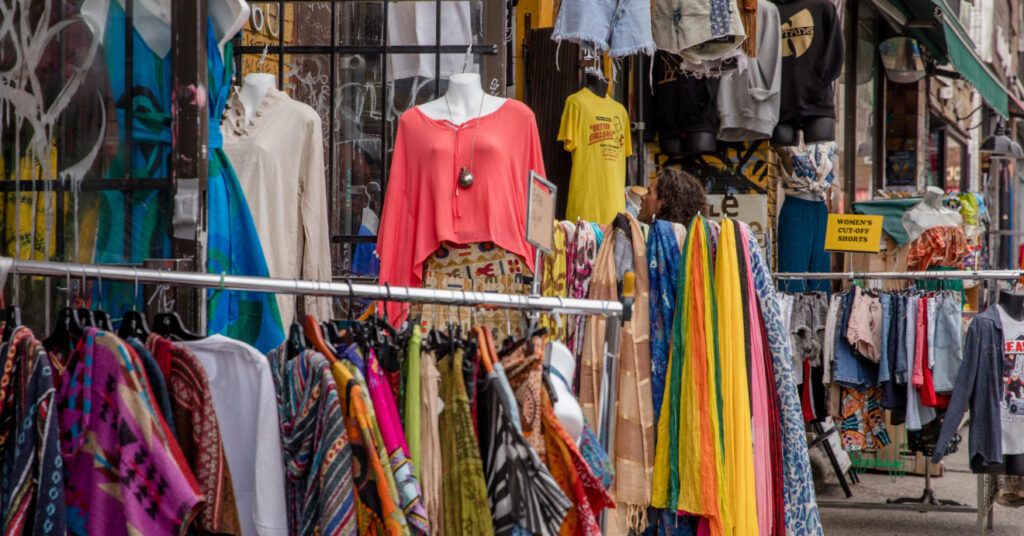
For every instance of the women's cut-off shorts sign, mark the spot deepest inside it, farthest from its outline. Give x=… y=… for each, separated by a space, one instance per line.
x=853 y=232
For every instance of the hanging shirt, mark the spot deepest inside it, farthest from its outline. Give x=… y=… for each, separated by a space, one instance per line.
x=425 y=205
x=242 y=388
x=114 y=443
x=596 y=131
x=278 y=156
x=1011 y=395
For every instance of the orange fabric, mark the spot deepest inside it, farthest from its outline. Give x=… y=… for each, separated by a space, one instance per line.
x=424 y=204
x=938 y=247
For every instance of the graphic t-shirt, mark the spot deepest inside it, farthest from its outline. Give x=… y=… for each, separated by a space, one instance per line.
x=596 y=131
x=1011 y=400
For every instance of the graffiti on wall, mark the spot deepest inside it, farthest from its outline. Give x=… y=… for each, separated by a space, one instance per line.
x=738 y=167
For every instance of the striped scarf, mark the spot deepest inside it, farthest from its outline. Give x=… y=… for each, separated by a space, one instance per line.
x=317 y=456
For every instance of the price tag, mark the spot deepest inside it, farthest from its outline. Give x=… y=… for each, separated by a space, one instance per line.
x=540 y=213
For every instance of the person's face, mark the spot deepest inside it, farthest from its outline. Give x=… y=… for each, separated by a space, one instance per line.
x=649 y=206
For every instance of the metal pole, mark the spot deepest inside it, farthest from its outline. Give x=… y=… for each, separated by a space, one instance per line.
x=612 y=309
x=928 y=274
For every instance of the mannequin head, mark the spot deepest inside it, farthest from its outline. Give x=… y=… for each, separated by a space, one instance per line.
x=674 y=196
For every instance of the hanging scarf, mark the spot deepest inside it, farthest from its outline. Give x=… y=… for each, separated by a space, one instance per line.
x=195 y=422
x=554 y=276
x=32 y=486
x=801 y=505
x=375 y=491
x=688 y=466
x=410 y=496
x=431 y=471
x=580 y=264
x=633 y=457
x=104 y=406
x=739 y=471
x=663 y=264
x=317 y=456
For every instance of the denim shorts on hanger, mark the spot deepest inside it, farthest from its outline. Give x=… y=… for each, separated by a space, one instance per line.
x=619 y=27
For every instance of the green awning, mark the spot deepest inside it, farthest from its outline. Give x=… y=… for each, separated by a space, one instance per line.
x=949 y=43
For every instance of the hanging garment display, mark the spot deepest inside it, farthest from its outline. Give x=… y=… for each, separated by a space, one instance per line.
x=812 y=58
x=242 y=388
x=596 y=130
x=748 y=103
x=103 y=377
x=634 y=432
x=233 y=243
x=809 y=171
x=685 y=106
x=278 y=156
x=618 y=27
x=700 y=30
x=33 y=497
x=663 y=254
x=425 y=206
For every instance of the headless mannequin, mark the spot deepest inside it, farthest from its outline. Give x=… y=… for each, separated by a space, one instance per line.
x=567 y=408
x=595 y=83
x=816 y=130
x=930 y=213
x=466 y=99
x=254 y=88
x=152 y=19
x=690 y=143
x=1012 y=303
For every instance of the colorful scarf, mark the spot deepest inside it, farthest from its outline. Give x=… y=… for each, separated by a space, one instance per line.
x=466 y=508
x=580 y=265
x=233 y=245
x=634 y=432
x=199 y=435
x=317 y=456
x=384 y=407
x=411 y=417
x=114 y=444
x=739 y=493
x=31 y=483
x=554 y=275
x=573 y=475
x=525 y=374
x=663 y=264
x=376 y=493
x=801 y=505
x=688 y=464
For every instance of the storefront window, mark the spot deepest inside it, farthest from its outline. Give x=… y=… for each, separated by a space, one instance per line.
x=947 y=160
x=866 y=94
x=360 y=65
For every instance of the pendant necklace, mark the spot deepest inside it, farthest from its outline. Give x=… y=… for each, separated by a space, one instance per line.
x=466 y=175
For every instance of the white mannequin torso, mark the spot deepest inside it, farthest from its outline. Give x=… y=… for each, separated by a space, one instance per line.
x=567 y=408
x=152 y=19
x=466 y=99
x=930 y=213
x=254 y=88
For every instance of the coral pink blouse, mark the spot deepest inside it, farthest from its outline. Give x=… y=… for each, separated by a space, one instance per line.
x=424 y=204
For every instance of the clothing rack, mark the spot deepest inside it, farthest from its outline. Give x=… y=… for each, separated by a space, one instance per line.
x=928 y=501
x=555 y=305
x=614 y=311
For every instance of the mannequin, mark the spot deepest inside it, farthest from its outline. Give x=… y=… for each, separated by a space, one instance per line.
x=567 y=408
x=466 y=99
x=254 y=88
x=816 y=130
x=152 y=19
x=1012 y=303
x=596 y=83
x=690 y=143
x=930 y=213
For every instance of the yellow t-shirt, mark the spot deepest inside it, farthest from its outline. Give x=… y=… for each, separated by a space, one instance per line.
x=596 y=131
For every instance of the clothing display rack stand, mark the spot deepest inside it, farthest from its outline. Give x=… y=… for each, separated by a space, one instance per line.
x=927 y=501
x=614 y=311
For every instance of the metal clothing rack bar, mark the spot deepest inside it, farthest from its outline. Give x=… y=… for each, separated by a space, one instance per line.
x=313 y=288
x=925 y=274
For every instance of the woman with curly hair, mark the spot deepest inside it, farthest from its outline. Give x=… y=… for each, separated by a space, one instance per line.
x=674 y=196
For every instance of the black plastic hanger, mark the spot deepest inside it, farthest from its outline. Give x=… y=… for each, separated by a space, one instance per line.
x=133 y=324
x=296 y=341
x=12 y=321
x=169 y=325
x=66 y=331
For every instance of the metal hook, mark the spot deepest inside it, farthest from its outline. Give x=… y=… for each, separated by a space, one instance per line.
x=135 y=299
x=387 y=288
x=99 y=284
x=263 y=58
x=67 y=290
